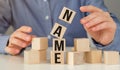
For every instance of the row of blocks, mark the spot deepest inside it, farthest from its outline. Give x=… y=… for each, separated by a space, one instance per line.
x=81 y=53
x=78 y=54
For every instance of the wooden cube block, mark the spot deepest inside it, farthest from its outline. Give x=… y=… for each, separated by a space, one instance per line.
x=75 y=58
x=73 y=49
x=59 y=44
x=94 y=56
x=34 y=57
x=67 y=15
x=40 y=43
x=57 y=57
x=111 y=57
x=81 y=44
x=58 y=31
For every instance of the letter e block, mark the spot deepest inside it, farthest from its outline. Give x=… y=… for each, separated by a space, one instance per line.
x=57 y=57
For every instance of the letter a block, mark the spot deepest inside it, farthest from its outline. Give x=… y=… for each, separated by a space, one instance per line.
x=59 y=44
x=111 y=57
x=58 y=31
x=67 y=15
x=57 y=57
x=40 y=43
x=81 y=44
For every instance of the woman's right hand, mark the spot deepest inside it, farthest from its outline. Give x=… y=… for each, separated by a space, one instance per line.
x=18 y=40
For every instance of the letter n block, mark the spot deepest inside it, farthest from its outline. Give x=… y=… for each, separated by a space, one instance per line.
x=57 y=57
x=67 y=15
x=58 y=31
x=59 y=44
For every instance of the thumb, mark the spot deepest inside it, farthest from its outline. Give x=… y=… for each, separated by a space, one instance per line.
x=12 y=51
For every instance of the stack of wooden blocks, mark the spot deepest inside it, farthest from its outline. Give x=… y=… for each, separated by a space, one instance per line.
x=81 y=52
x=59 y=44
x=38 y=52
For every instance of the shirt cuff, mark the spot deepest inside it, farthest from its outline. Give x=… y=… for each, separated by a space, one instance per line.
x=113 y=46
x=3 y=43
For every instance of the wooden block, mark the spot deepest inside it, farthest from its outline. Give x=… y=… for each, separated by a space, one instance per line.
x=34 y=57
x=67 y=15
x=40 y=43
x=59 y=44
x=94 y=56
x=58 y=31
x=111 y=57
x=75 y=58
x=57 y=57
x=81 y=44
x=73 y=49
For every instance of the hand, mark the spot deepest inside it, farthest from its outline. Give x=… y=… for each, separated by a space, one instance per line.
x=18 y=40
x=99 y=24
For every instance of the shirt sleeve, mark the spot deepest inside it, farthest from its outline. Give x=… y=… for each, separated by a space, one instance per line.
x=115 y=44
x=5 y=22
x=3 y=43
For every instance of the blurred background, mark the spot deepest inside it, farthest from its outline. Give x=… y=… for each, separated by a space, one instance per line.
x=113 y=6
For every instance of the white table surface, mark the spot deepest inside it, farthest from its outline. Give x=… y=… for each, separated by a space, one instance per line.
x=8 y=62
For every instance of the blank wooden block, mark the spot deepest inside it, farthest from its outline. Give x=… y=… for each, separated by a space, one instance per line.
x=34 y=57
x=40 y=43
x=73 y=49
x=75 y=58
x=57 y=57
x=67 y=15
x=94 y=56
x=81 y=44
x=58 y=31
x=111 y=57
x=59 y=44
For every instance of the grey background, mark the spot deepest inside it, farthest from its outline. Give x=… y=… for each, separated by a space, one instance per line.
x=113 y=6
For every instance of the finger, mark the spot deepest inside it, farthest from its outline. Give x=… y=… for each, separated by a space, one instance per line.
x=19 y=43
x=101 y=26
x=23 y=36
x=14 y=46
x=12 y=51
x=94 y=22
x=25 y=29
x=90 y=9
x=33 y=36
x=88 y=18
